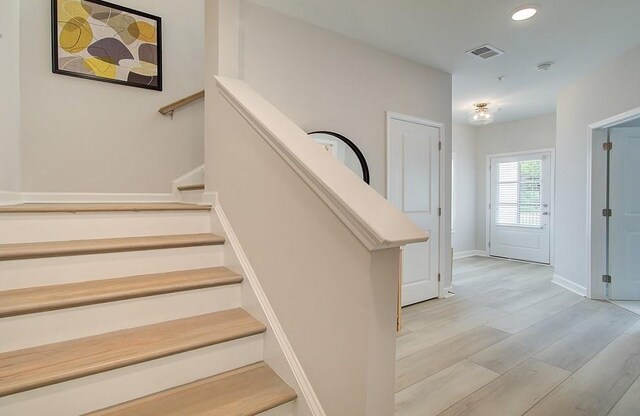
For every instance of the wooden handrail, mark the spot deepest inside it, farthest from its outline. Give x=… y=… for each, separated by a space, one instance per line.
x=169 y=109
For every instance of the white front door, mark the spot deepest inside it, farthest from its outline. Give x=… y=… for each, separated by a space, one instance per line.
x=413 y=163
x=624 y=224
x=520 y=207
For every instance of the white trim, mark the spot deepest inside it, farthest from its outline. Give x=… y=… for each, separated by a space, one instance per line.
x=67 y=197
x=617 y=119
x=470 y=253
x=345 y=194
x=569 y=285
x=194 y=176
x=594 y=248
x=10 y=198
x=304 y=383
x=594 y=259
x=454 y=191
x=442 y=250
x=552 y=197
x=209 y=198
x=487 y=204
x=523 y=152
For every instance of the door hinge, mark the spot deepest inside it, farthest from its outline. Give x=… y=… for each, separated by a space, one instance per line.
x=489 y=244
x=607 y=146
x=607 y=212
x=606 y=278
x=439 y=212
x=439 y=145
x=439 y=277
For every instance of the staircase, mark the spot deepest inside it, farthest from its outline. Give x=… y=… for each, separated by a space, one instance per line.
x=189 y=188
x=191 y=193
x=126 y=309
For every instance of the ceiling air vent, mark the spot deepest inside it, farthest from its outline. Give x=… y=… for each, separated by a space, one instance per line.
x=485 y=51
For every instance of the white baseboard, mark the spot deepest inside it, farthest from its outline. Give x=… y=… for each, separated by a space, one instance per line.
x=307 y=390
x=569 y=285
x=9 y=198
x=471 y=253
x=68 y=197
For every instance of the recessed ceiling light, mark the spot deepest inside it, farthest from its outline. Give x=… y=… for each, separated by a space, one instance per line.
x=524 y=13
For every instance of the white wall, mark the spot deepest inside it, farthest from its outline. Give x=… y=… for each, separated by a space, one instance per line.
x=88 y=136
x=464 y=148
x=10 y=96
x=612 y=90
x=338 y=308
x=515 y=136
x=325 y=81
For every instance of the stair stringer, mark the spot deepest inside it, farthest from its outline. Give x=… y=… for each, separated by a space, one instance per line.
x=278 y=352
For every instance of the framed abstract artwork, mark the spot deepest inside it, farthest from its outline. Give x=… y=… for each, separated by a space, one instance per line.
x=103 y=41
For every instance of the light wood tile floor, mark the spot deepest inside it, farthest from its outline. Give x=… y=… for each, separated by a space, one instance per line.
x=511 y=343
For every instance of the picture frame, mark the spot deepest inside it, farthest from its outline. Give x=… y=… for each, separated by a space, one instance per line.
x=102 y=41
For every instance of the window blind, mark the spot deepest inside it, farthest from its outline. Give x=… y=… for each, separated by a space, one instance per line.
x=519 y=198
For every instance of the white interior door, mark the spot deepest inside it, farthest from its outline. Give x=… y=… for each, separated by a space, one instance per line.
x=414 y=188
x=624 y=224
x=520 y=207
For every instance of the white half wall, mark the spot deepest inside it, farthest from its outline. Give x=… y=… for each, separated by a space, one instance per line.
x=515 y=136
x=87 y=136
x=464 y=143
x=10 y=96
x=612 y=90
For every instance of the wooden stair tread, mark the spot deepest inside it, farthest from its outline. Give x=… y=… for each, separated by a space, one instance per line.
x=193 y=187
x=101 y=207
x=46 y=298
x=245 y=391
x=54 y=363
x=105 y=245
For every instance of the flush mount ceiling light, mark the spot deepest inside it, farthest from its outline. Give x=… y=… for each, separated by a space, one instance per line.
x=524 y=13
x=481 y=114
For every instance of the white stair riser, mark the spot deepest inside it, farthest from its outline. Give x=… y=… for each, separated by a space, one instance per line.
x=65 y=324
x=107 y=389
x=56 y=270
x=27 y=228
x=192 y=197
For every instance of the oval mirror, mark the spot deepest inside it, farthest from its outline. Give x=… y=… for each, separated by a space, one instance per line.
x=344 y=150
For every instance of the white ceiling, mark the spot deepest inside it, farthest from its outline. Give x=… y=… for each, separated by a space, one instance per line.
x=577 y=35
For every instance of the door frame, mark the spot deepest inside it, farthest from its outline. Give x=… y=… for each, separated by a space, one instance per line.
x=552 y=197
x=596 y=200
x=442 y=250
